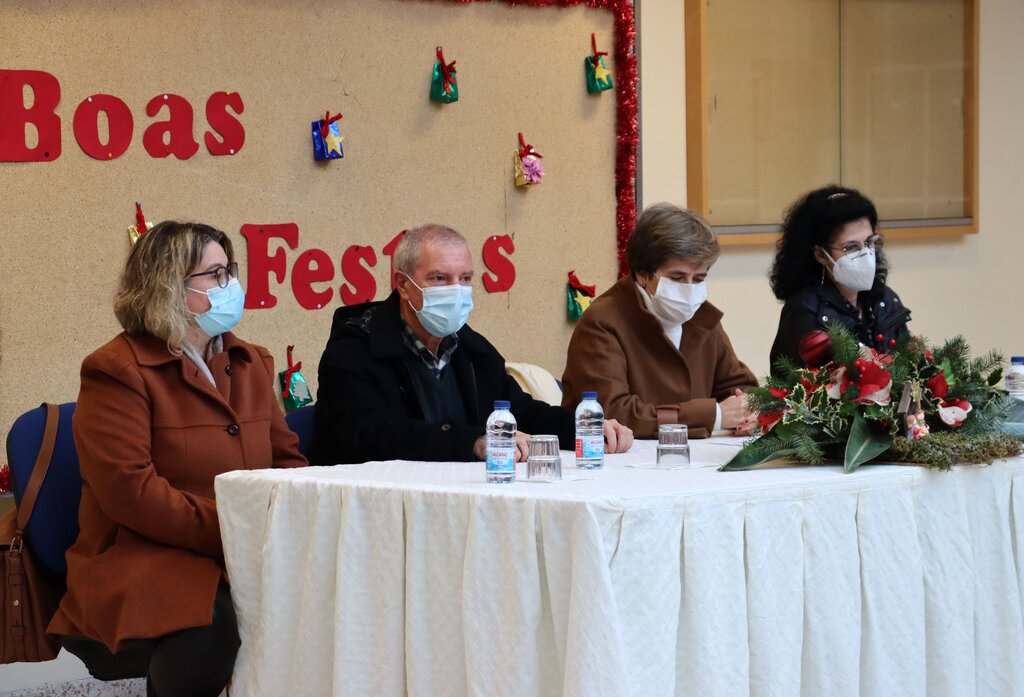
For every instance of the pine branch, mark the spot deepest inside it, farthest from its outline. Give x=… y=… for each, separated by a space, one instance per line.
x=845 y=347
x=786 y=370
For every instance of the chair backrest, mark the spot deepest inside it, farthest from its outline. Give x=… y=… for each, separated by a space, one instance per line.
x=54 y=523
x=300 y=421
x=539 y=383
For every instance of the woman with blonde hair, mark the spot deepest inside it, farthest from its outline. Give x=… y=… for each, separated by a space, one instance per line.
x=652 y=346
x=164 y=407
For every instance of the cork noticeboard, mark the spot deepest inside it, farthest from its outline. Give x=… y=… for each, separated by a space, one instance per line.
x=407 y=160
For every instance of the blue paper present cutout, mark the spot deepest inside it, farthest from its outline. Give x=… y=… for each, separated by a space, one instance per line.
x=327 y=146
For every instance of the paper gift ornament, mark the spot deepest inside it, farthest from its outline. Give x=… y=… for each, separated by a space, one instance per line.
x=294 y=390
x=444 y=86
x=578 y=296
x=599 y=78
x=327 y=138
x=140 y=227
x=528 y=167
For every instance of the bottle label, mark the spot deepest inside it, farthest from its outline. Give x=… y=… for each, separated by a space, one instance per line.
x=501 y=459
x=590 y=447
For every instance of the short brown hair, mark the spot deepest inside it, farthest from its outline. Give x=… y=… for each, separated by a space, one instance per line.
x=151 y=296
x=664 y=231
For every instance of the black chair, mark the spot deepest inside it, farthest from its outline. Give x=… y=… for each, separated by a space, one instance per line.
x=300 y=422
x=54 y=523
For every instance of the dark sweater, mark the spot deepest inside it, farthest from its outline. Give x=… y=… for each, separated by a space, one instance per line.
x=367 y=407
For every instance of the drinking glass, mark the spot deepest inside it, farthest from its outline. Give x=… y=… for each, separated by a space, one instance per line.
x=673 y=446
x=544 y=459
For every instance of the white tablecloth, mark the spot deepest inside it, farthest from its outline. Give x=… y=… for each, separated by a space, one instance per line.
x=408 y=578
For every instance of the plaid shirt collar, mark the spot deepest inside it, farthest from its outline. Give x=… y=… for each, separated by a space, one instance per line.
x=444 y=350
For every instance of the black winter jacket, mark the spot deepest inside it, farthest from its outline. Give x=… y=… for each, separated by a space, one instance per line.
x=817 y=306
x=367 y=407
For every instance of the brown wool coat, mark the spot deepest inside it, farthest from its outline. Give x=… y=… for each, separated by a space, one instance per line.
x=620 y=350
x=152 y=433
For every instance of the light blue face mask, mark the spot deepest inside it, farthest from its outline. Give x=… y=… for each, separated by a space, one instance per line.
x=226 y=306
x=445 y=308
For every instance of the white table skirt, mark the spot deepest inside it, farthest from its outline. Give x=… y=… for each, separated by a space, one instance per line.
x=408 y=578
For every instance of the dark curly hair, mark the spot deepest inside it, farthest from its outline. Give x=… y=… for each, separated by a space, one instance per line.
x=813 y=221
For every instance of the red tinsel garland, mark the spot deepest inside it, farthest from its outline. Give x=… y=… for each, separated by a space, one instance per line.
x=626 y=109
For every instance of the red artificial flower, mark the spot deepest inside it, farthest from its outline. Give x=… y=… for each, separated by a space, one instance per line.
x=873 y=382
x=766 y=421
x=5 y=479
x=778 y=392
x=938 y=385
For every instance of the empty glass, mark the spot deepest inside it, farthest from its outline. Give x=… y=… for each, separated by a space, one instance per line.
x=673 y=446
x=544 y=459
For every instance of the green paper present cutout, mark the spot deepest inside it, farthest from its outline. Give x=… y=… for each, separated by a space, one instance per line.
x=599 y=78
x=437 y=86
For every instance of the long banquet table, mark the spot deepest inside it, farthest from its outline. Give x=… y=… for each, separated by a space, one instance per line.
x=410 y=578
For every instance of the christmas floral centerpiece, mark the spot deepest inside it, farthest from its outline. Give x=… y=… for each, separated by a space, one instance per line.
x=929 y=406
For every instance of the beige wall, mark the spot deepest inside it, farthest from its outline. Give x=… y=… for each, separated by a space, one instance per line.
x=965 y=285
x=407 y=160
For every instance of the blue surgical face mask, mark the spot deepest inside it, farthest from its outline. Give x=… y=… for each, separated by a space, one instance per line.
x=445 y=308
x=225 y=308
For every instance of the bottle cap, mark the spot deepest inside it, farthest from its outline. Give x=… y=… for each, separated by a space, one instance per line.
x=590 y=395
x=501 y=404
x=1017 y=359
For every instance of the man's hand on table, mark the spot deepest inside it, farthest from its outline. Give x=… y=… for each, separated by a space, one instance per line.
x=618 y=438
x=522 y=447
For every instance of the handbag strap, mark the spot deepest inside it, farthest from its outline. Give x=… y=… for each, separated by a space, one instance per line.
x=35 y=482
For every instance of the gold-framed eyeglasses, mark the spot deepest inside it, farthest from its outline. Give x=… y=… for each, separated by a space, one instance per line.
x=221 y=274
x=856 y=249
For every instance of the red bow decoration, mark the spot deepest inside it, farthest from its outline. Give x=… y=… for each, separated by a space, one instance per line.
x=325 y=125
x=292 y=368
x=447 y=72
x=525 y=149
x=140 y=220
x=597 y=54
x=576 y=284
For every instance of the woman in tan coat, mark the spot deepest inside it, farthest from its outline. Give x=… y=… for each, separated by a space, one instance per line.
x=164 y=407
x=651 y=346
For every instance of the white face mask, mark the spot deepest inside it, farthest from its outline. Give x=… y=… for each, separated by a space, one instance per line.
x=857 y=273
x=677 y=303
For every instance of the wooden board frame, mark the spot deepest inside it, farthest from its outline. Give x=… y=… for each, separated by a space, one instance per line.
x=695 y=18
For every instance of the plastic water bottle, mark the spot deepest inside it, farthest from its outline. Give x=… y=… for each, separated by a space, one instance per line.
x=589 y=433
x=1014 y=377
x=501 y=444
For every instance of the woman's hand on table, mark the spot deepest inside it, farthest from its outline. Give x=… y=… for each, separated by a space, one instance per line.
x=746 y=428
x=736 y=413
x=618 y=438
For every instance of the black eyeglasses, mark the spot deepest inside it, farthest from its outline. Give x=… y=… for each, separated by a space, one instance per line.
x=221 y=274
x=855 y=249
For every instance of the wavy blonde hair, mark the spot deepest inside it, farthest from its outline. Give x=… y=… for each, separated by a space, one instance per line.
x=151 y=296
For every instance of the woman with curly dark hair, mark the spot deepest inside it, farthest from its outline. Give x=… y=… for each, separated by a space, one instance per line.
x=829 y=267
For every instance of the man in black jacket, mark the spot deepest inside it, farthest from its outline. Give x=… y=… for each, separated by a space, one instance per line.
x=406 y=379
